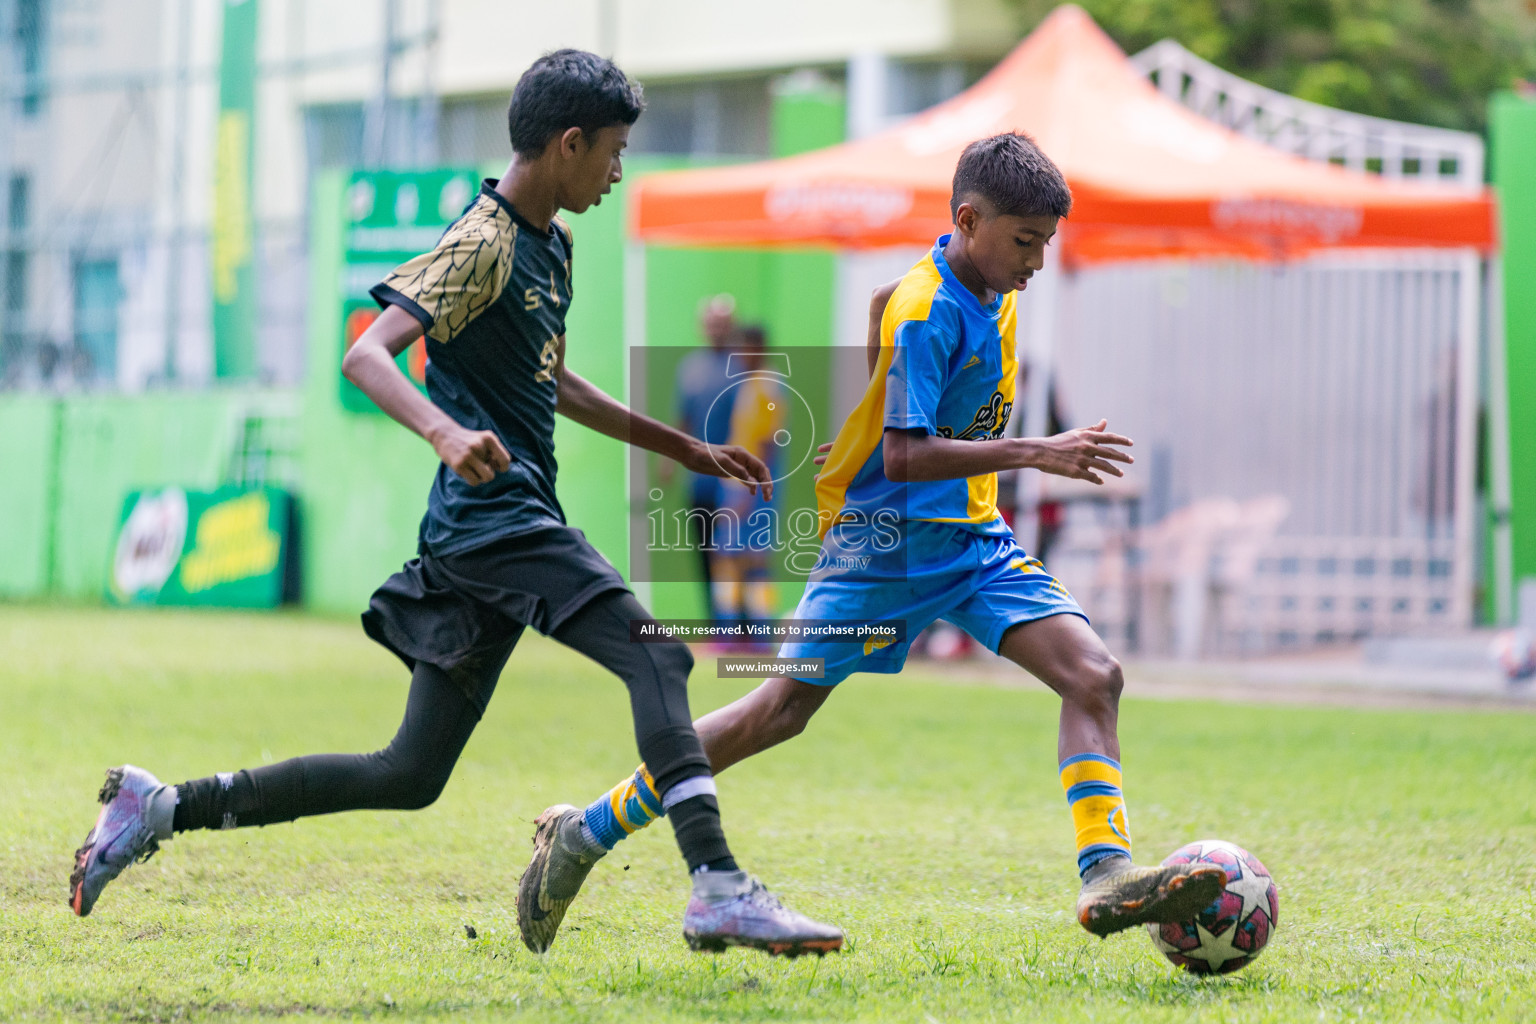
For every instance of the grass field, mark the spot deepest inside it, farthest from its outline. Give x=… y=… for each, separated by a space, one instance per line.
x=924 y=816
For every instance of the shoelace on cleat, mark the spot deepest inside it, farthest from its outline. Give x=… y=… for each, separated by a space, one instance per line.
x=760 y=895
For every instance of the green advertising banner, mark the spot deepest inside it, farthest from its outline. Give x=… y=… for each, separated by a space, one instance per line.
x=232 y=244
x=229 y=548
x=392 y=216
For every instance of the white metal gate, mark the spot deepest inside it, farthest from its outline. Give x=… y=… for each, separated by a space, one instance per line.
x=1335 y=396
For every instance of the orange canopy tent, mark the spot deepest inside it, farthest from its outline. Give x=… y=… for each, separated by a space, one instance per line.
x=1149 y=178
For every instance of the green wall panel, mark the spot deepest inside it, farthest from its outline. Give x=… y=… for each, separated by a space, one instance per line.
x=68 y=462
x=808 y=113
x=1512 y=127
x=112 y=444
x=364 y=478
x=28 y=433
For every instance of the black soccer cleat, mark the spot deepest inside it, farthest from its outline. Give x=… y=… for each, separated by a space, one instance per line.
x=1122 y=899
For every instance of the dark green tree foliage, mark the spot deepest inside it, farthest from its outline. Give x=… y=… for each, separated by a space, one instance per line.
x=1427 y=61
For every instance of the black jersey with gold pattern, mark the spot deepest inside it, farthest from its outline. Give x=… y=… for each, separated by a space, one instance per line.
x=491 y=298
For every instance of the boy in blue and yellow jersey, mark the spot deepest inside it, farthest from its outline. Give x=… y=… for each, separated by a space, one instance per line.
x=759 y=414
x=495 y=554
x=911 y=531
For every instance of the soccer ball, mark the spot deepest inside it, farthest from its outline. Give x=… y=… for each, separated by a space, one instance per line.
x=1230 y=933
x=1515 y=654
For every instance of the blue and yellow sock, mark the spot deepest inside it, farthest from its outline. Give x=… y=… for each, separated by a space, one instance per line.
x=627 y=807
x=1092 y=782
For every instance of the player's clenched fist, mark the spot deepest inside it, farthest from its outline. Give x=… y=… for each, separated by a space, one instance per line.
x=1082 y=453
x=475 y=455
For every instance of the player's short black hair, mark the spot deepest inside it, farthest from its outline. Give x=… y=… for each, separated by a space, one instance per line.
x=569 y=89
x=1010 y=174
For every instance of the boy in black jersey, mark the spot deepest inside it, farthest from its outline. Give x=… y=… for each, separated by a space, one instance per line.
x=495 y=553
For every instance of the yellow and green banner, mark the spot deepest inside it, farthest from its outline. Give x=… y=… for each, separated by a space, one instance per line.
x=232 y=245
x=229 y=548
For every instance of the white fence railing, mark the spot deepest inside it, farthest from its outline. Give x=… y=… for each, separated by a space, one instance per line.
x=1393 y=149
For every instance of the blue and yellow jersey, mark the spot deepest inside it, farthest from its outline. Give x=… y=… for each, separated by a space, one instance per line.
x=757 y=413
x=946 y=366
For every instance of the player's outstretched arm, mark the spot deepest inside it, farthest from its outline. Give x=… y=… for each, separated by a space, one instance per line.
x=475 y=455
x=1084 y=453
x=590 y=406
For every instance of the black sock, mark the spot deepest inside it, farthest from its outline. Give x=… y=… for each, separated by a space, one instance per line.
x=696 y=821
x=213 y=802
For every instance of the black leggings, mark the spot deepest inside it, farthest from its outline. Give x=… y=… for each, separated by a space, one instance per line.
x=411 y=772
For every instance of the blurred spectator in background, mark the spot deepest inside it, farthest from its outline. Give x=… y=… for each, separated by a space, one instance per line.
x=704 y=411
x=742 y=588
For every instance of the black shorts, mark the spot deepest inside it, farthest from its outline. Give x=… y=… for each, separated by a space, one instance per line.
x=464 y=612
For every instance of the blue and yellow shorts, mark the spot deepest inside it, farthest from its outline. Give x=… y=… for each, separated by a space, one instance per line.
x=983 y=583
